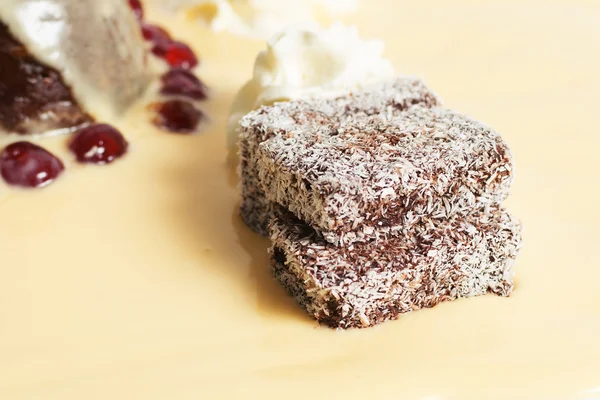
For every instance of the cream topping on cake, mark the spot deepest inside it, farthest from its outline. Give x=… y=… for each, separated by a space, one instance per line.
x=96 y=46
x=308 y=63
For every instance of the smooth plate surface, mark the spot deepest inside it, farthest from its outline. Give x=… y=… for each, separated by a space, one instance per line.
x=138 y=280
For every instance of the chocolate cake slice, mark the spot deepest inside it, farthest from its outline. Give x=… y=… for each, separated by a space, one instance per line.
x=65 y=62
x=367 y=283
x=385 y=99
x=362 y=178
x=33 y=97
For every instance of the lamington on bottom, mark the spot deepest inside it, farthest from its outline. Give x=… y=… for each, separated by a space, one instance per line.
x=385 y=99
x=364 y=284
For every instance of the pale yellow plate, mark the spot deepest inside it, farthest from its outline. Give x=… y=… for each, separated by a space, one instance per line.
x=138 y=280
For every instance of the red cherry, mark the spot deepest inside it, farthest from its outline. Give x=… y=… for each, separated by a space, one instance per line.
x=98 y=144
x=28 y=165
x=160 y=50
x=178 y=116
x=177 y=54
x=181 y=82
x=156 y=35
x=138 y=9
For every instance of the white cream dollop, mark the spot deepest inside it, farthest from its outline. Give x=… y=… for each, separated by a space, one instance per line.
x=307 y=63
x=260 y=18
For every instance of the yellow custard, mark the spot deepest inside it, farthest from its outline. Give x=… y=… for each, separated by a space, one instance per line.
x=138 y=280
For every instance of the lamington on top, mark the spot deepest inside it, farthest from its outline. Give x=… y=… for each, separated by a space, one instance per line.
x=386 y=99
x=364 y=176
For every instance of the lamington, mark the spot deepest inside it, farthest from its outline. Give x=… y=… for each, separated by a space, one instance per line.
x=364 y=284
x=360 y=178
x=386 y=100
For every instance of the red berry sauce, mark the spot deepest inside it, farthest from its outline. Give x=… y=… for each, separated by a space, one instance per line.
x=138 y=9
x=178 y=116
x=98 y=144
x=181 y=82
x=177 y=54
x=28 y=165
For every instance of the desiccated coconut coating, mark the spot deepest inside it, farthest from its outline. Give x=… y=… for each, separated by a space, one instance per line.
x=386 y=99
x=367 y=283
x=361 y=178
x=256 y=211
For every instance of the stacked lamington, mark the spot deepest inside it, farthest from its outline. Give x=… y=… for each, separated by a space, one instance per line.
x=379 y=203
